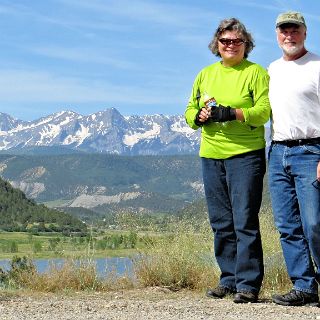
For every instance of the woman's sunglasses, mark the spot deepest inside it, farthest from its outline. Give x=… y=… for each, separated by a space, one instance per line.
x=228 y=42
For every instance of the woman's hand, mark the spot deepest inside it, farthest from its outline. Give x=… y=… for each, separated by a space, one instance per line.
x=202 y=116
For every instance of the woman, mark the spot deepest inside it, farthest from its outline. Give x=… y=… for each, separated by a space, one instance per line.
x=229 y=101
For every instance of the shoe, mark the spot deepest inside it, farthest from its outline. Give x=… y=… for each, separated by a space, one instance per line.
x=219 y=292
x=296 y=298
x=245 y=297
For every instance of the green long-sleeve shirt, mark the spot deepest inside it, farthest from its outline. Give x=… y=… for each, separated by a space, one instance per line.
x=245 y=87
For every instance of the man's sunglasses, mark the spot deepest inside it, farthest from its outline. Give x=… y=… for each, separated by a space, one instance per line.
x=228 y=42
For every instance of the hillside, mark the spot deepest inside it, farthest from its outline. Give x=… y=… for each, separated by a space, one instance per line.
x=97 y=186
x=106 y=183
x=18 y=213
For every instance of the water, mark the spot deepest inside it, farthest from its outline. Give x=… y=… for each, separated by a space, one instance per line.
x=119 y=265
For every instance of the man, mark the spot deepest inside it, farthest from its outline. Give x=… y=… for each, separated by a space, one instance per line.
x=294 y=158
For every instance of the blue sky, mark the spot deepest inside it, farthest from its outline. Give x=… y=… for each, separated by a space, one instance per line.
x=138 y=56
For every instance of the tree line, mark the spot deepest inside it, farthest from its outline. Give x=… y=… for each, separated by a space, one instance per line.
x=18 y=213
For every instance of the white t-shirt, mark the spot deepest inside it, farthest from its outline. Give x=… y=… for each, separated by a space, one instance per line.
x=294 y=95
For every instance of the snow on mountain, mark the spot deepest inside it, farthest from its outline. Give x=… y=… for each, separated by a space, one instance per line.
x=104 y=131
x=7 y=123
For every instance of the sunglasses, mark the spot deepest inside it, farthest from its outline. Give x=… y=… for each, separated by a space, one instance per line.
x=228 y=42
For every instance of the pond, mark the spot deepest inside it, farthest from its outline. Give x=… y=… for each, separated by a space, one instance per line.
x=119 y=265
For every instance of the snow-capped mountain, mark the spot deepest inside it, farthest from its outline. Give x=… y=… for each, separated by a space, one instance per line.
x=106 y=131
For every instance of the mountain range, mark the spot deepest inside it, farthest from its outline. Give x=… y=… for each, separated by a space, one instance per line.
x=103 y=163
x=102 y=132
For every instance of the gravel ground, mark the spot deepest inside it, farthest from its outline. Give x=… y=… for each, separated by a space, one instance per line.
x=151 y=303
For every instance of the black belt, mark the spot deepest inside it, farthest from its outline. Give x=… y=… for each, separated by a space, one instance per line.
x=298 y=142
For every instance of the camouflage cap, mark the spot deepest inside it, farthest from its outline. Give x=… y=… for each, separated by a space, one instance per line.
x=290 y=17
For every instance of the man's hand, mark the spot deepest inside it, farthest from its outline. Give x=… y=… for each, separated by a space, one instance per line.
x=318 y=171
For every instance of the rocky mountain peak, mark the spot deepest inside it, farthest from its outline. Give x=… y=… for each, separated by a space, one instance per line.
x=105 y=131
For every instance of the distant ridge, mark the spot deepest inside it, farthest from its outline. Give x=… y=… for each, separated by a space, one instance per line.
x=106 y=183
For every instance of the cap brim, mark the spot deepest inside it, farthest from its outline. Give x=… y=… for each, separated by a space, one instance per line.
x=289 y=22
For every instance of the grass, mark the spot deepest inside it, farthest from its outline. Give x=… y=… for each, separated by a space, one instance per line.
x=177 y=259
x=276 y=278
x=71 y=276
x=180 y=260
x=183 y=260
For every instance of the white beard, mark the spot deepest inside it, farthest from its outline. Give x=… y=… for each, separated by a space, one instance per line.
x=292 y=51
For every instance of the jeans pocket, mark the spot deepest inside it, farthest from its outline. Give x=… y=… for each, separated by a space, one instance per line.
x=316 y=184
x=312 y=148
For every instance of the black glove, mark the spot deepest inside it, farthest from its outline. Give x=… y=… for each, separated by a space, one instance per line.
x=197 y=119
x=222 y=113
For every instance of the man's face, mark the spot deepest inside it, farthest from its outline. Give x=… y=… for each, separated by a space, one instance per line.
x=291 y=38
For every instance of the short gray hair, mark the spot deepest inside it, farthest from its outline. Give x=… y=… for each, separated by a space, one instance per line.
x=232 y=24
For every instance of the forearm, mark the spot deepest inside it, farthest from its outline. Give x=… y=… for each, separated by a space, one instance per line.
x=239 y=115
x=190 y=115
x=258 y=115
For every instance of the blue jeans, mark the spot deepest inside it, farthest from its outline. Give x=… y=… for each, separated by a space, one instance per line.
x=233 y=189
x=295 y=196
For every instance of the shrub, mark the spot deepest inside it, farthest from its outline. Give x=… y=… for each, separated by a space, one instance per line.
x=179 y=260
x=21 y=271
x=72 y=275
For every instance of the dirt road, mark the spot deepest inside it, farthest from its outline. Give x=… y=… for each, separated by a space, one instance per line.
x=151 y=303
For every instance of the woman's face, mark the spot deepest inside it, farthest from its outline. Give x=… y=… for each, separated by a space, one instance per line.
x=232 y=52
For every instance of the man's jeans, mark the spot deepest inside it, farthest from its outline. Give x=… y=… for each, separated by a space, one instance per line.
x=233 y=189
x=295 y=195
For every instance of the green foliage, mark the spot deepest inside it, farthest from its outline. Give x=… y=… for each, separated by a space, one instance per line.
x=53 y=243
x=50 y=245
x=10 y=246
x=117 y=241
x=36 y=246
x=13 y=247
x=19 y=268
x=18 y=213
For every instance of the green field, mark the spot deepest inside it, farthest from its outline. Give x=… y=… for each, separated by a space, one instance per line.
x=52 y=245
